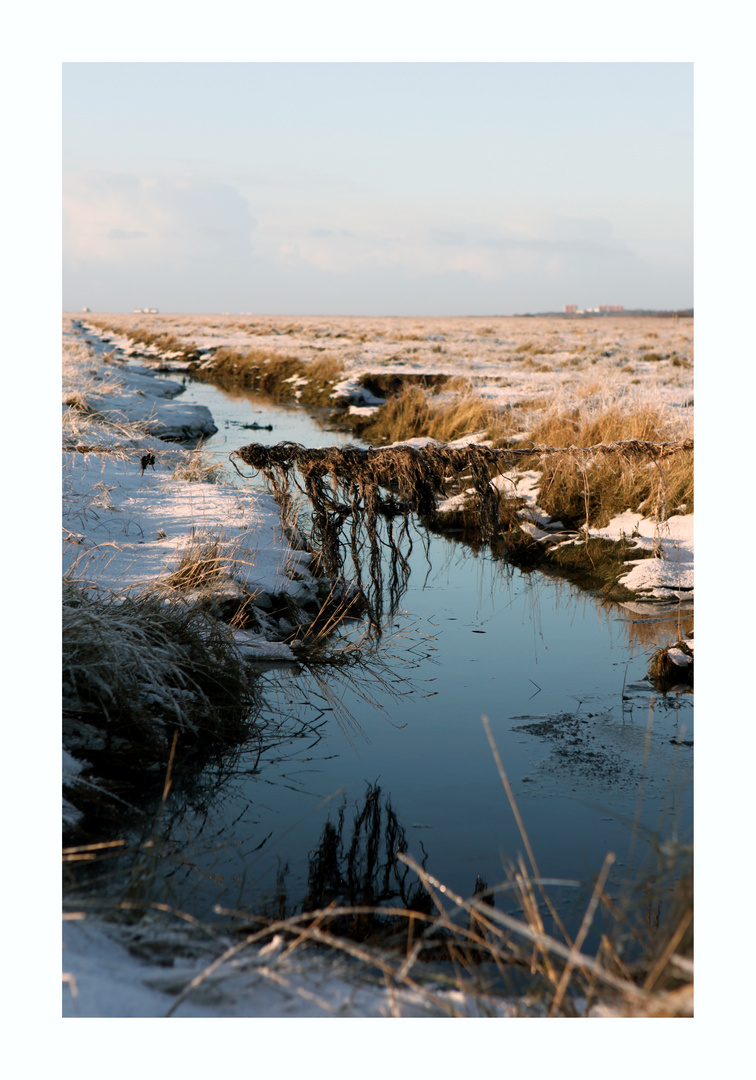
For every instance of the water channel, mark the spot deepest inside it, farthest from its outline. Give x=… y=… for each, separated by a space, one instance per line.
x=598 y=761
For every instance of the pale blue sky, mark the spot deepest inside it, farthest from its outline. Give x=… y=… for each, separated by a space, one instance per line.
x=377 y=188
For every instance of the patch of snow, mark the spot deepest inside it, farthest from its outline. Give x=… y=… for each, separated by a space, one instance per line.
x=420 y=442
x=671 y=573
x=678 y=657
x=350 y=390
x=455 y=502
x=533 y=530
x=102 y=978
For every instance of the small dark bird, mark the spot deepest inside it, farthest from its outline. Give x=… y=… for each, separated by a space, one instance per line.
x=148 y=459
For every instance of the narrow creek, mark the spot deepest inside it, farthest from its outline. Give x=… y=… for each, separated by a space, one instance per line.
x=598 y=761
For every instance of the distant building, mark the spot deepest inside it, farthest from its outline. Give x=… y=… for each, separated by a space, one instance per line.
x=85 y=309
x=570 y=309
x=610 y=307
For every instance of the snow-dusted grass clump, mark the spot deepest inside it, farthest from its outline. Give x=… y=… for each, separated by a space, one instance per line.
x=137 y=669
x=673 y=665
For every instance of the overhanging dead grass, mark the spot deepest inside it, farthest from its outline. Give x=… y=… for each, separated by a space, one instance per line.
x=363 y=500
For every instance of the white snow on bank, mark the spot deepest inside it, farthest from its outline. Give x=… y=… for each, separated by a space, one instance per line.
x=127 y=529
x=127 y=524
x=118 y=396
x=103 y=979
x=667 y=576
x=350 y=390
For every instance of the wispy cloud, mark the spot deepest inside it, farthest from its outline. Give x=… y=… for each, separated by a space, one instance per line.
x=173 y=219
x=562 y=236
x=126 y=234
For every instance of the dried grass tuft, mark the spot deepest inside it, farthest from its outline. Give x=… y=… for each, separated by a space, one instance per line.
x=415 y=413
x=198 y=468
x=202 y=563
x=577 y=488
x=138 y=668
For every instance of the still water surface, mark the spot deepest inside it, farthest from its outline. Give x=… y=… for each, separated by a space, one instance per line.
x=598 y=761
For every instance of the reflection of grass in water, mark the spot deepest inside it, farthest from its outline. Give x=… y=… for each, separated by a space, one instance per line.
x=647 y=630
x=375 y=675
x=154 y=850
x=362 y=871
x=360 y=895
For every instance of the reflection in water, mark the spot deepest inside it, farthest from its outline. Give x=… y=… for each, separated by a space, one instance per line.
x=271 y=830
x=363 y=869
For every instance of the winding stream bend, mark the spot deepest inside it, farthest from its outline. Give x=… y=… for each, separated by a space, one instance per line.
x=598 y=761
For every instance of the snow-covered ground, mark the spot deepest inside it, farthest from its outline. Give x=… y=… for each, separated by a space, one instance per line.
x=669 y=576
x=128 y=520
x=545 y=364
x=592 y=362
x=104 y=976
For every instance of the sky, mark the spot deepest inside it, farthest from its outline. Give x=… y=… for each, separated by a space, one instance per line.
x=377 y=188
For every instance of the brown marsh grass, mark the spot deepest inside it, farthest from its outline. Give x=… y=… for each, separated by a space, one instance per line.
x=280 y=377
x=138 y=668
x=415 y=413
x=594 y=490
